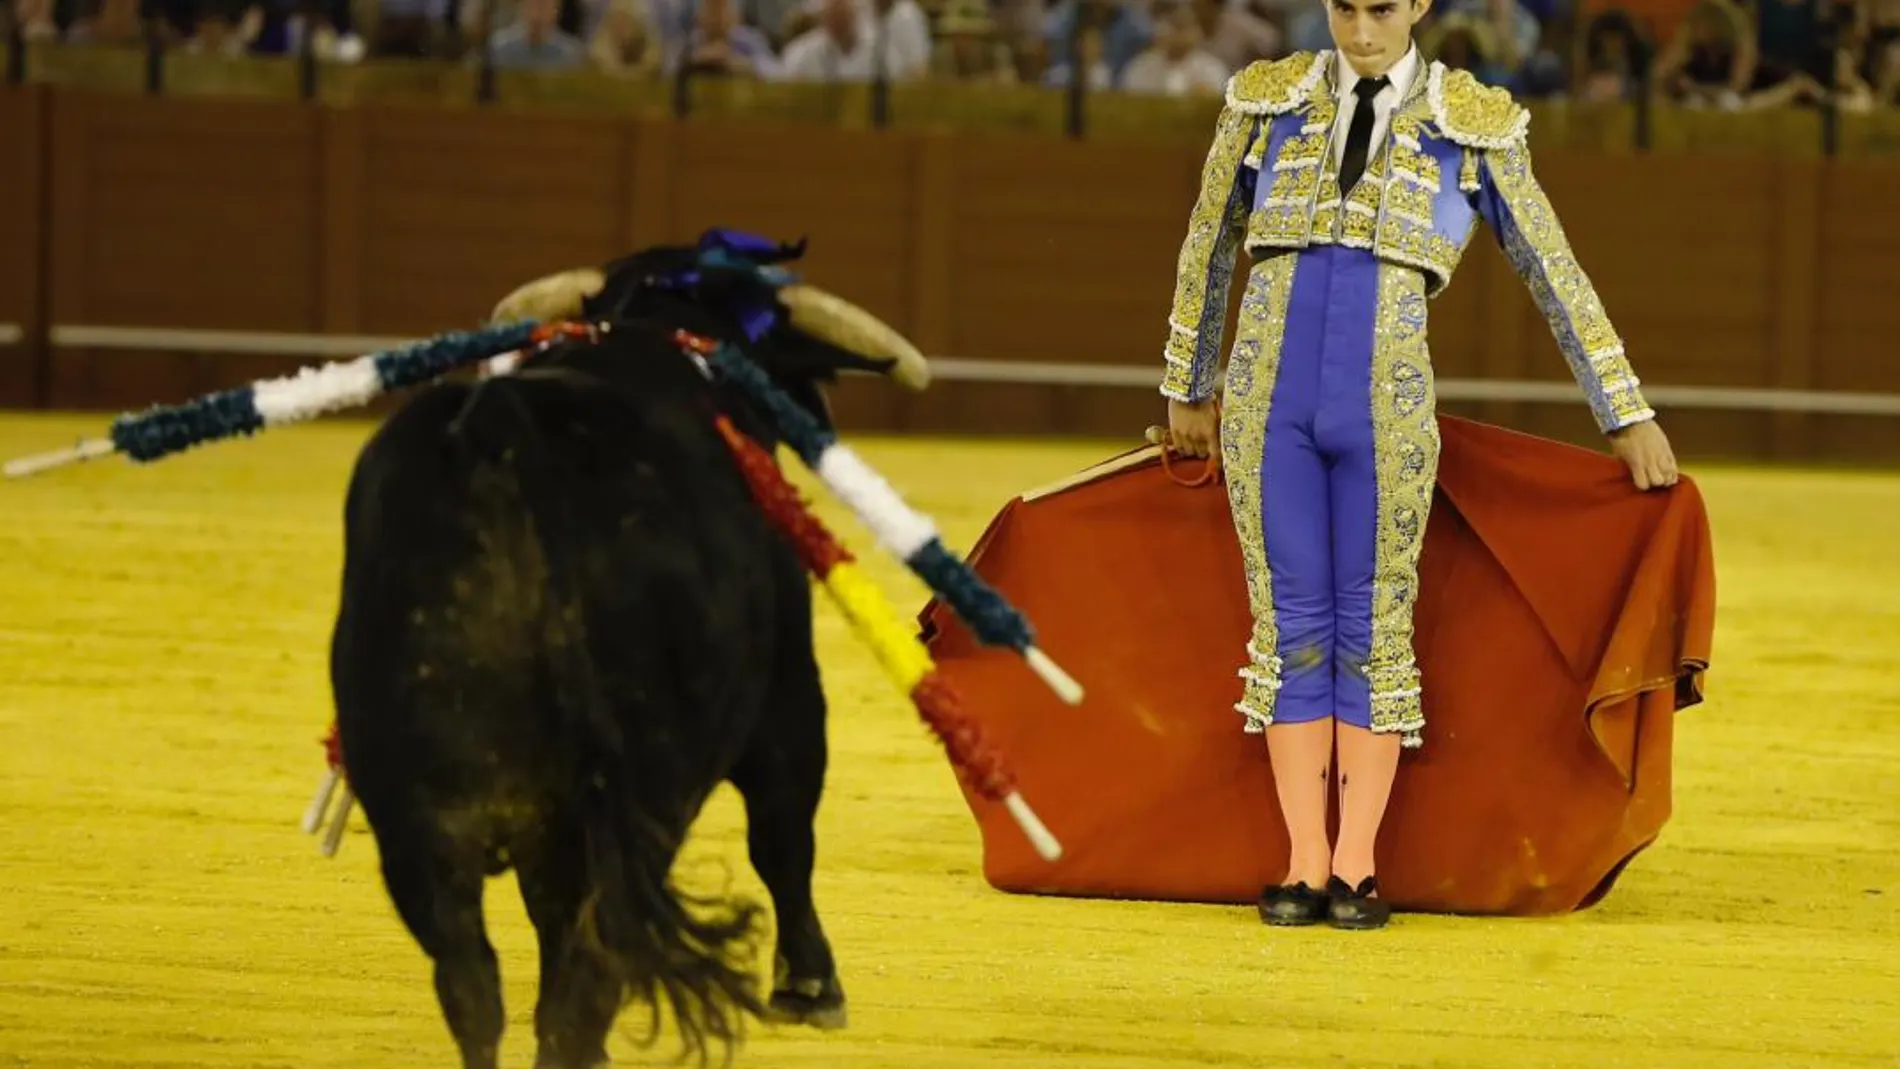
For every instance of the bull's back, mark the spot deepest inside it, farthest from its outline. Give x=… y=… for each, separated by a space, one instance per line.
x=488 y=543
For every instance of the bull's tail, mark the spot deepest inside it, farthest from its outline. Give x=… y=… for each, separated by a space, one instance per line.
x=666 y=946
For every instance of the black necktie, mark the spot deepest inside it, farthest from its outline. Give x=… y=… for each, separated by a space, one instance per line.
x=1359 y=134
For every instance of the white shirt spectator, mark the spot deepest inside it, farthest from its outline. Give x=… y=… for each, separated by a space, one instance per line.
x=1177 y=64
x=817 y=56
x=1154 y=73
x=907 y=41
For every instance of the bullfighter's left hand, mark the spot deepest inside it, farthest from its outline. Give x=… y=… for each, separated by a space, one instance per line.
x=1645 y=448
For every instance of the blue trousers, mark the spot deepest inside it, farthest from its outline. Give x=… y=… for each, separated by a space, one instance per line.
x=1319 y=490
x=1329 y=401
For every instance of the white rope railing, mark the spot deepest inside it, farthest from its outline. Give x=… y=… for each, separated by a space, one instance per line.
x=11 y=334
x=1032 y=373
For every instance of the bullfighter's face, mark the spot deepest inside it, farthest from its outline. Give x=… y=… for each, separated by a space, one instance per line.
x=1374 y=35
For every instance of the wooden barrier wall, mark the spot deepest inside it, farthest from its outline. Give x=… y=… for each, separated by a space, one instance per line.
x=120 y=210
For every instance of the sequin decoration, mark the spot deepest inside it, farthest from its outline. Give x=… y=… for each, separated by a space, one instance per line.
x=1252 y=370
x=1535 y=243
x=1474 y=114
x=1204 y=269
x=1405 y=452
x=1272 y=86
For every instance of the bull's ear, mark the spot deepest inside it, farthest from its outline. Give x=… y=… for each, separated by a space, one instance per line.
x=837 y=322
x=556 y=296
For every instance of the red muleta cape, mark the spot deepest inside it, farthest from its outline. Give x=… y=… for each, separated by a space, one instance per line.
x=1564 y=618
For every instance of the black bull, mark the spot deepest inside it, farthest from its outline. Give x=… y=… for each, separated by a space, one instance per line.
x=564 y=622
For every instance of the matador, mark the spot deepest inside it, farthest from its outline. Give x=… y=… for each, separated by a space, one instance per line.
x=1354 y=178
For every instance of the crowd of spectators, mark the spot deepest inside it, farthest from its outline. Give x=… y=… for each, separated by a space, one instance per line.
x=1727 y=54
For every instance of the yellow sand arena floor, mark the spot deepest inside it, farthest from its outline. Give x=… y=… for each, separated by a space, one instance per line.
x=162 y=687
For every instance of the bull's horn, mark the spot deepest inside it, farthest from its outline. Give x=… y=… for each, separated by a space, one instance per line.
x=556 y=296
x=833 y=319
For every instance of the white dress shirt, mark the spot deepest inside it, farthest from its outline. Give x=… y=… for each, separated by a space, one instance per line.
x=1383 y=104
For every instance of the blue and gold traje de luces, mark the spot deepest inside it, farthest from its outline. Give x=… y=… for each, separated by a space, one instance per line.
x=1455 y=154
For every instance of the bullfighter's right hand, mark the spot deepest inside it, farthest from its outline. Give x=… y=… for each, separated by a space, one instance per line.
x=1194 y=428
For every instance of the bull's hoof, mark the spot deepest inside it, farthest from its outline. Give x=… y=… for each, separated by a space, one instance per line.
x=817 y=1003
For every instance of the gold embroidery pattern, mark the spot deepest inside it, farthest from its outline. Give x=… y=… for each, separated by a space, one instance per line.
x=1405 y=450
x=1285 y=220
x=1252 y=370
x=1304 y=149
x=1205 y=266
x=1537 y=247
x=1360 y=221
x=1271 y=86
x=1408 y=234
x=1474 y=114
x=1281 y=226
x=1414 y=184
x=1325 y=218
x=1293 y=188
x=1256 y=155
x=1422 y=248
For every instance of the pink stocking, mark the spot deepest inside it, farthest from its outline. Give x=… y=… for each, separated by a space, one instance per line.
x=1367 y=765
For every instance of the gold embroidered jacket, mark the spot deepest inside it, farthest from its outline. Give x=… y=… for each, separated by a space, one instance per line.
x=1455 y=153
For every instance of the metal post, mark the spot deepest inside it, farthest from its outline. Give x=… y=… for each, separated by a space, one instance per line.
x=1076 y=122
x=154 y=61
x=16 y=53
x=683 y=64
x=881 y=75
x=307 y=52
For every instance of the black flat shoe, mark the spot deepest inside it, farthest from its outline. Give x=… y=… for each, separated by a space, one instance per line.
x=1290 y=905
x=1355 y=907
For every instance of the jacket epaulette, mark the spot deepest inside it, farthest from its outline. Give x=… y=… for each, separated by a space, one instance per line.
x=1274 y=86
x=1472 y=114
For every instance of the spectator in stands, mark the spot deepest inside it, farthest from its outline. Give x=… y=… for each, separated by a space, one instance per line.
x=534 y=41
x=1613 y=59
x=905 y=30
x=838 y=49
x=1123 y=28
x=722 y=45
x=277 y=28
x=1176 y=65
x=1466 y=42
x=217 y=32
x=776 y=19
x=34 y=20
x=970 y=47
x=1788 y=42
x=116 y=23
x=1710 y=59
x=901 y=25
x=620 y=44
x=1238 y=32
x=1882 y=19
x=1515 y=53
x=1886 y=75
x=1306 y=29
x=1091 y=46
x=1852 y=87
x=410 y=28
x=1514 y=33
x=1020 y=22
